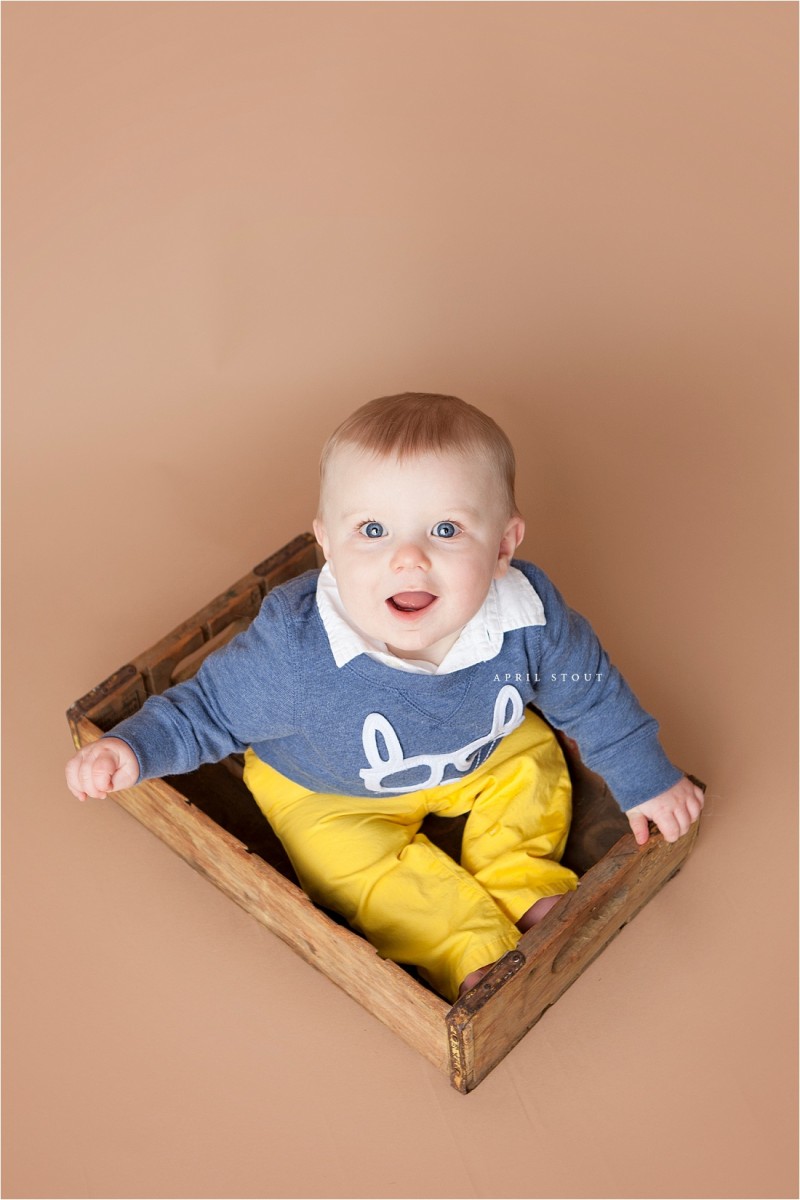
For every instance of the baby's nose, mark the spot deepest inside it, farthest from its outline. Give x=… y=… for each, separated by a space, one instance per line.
x=410 y=554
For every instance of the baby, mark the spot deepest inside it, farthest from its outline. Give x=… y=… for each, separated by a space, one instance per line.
x=394 y=683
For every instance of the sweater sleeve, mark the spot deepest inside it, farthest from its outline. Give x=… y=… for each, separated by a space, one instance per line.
x=241 y=694
x=581 y=692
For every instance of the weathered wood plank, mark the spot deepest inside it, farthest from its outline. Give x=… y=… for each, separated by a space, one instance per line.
x=486 y=1023
x=189 y=666
x=157 y=664
x=298 y=556
x=117 y=697
x=380 y=986
x=239 y=603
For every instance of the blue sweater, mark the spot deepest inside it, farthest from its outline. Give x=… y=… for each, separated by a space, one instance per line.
x=366 y=729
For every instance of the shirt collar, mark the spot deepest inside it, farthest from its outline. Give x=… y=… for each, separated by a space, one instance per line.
x=512 y=603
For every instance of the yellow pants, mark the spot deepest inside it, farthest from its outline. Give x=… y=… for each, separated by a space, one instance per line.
x=366 y=859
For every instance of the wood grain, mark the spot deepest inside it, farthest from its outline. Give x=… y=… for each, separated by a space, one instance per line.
x=189 y=666
x=117 y=697
x=380 y=986
x=487 y=1022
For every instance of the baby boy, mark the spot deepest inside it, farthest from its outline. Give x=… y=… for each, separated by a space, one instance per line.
x=395 y=683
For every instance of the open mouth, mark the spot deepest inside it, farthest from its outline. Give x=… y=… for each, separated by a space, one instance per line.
x=411 y=602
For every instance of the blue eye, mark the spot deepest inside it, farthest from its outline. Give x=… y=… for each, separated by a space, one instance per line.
x=445 y=529
x=372 y=529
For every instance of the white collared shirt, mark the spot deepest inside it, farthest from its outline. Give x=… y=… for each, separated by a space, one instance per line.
x=512 y=603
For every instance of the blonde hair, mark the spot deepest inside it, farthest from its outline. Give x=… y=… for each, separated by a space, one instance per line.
x=414 y=423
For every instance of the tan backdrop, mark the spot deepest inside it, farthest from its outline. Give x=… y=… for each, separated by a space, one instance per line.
x=226 y=225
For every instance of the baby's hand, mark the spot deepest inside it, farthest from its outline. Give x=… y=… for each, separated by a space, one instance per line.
x=105 y=766
x=673 y=812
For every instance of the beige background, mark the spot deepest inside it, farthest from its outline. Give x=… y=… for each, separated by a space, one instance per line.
x=226 y=225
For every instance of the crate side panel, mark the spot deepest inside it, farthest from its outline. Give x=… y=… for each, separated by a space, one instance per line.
x=158 y=664
x=295 y=558
x=119 y=696
x=188 y=667
x=381 y=987
x=242 y=601
x=558 y=950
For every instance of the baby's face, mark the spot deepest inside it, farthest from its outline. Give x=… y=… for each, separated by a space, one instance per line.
x=414 y=545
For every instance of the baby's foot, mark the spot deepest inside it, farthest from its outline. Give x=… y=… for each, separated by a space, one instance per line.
x=473 y=978
x=537 y=911
x=532 y=917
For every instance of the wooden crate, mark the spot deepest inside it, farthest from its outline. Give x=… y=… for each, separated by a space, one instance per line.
x=209 y=818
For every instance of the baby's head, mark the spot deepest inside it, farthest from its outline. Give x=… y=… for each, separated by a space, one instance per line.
x=418 y=423
x=417 y=516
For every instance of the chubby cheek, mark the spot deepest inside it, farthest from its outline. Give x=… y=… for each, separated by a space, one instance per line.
x=369 y=615
x=355 y=575
x=358 y=589
x=474 y=579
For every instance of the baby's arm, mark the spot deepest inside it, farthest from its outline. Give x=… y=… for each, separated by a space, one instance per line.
x=243 y=693
x=581 y=692
x=672 y=811
x=103 y=767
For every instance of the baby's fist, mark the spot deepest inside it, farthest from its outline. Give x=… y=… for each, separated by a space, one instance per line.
x=105 y=766
x=673 y=812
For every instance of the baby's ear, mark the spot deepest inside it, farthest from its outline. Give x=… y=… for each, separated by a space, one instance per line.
x=512 y=536
x=321 y=535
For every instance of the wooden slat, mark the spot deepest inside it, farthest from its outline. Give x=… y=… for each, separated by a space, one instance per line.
x=189 y=666
x=380 y=986
x=239 y=603
x=117 y=697
x=157 y=664
x=242 y=600
x=293 y=559
x=486 y=1023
